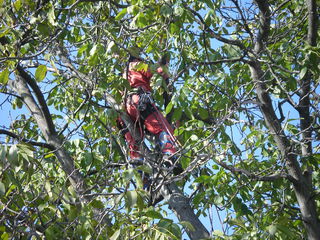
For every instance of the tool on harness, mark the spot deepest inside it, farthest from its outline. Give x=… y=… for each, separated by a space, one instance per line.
x=144 y=104
x=144 y=99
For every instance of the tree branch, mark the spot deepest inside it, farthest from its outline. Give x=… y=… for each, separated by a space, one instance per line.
x=201 y=21
x=20 y=86
x=37 y=144
x=181 y=207
x=264 y=29
x=301 y=182
x=312 y=22
x=304 y=104
x=251 y=175
x=42 y=102
x=113 y=2
x=202 y=63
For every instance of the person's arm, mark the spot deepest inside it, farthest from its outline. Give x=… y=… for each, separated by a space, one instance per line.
x=163 y=72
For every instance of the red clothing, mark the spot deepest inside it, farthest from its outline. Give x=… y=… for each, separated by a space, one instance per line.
x=155 y=127
x=154 y=122
x=139 y=78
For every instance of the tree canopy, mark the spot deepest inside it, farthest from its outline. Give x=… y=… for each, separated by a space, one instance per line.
x=243 y=97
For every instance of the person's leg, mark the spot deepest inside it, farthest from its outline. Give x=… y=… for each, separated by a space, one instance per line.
x=160 y=127
x=134 y=152
x=166 y=143
x=157 y=125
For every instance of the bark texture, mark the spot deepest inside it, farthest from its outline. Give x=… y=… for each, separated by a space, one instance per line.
x=22 y=85
x=302 y=183
x=181 y=207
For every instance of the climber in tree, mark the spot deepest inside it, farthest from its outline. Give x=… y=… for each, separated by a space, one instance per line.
x=142 y=110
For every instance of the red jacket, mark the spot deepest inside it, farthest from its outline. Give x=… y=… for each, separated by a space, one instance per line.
x=141 y=78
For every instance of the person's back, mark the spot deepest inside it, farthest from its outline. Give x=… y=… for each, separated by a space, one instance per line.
x=138 y=78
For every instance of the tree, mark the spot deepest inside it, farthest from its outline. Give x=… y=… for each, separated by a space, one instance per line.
x=244 y=87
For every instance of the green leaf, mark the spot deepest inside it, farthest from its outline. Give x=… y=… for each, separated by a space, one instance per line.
x=154 y=214
x=178 y=11
x=303 y=72
x=166 y=10
x=138 y=179
x=286 y=230
x=52 y=17
x=2 y=189
x=41 y=73
x=93 y=60
x=13 y=155
x=292 y=84
x=142 y=66
x=83 y=49
x=110 y=46
x=44 y=29
x=72 y=191
x=4 y=32
x=17 y=5
x=169 y=108
x=217 y=200
x=177 y=114
x=115 y=235
x=4 y=76
x=121 y=14
x=145 y=168
x=97 y=204
x=174 y=28
x=5 y=236
x=187 y=225
x=26 y=148
x=3 y=152
x=141 y=20
x=194 y=137
x=218 y=233
x=203 y=113
x=131 y=197
x=49 y=155
x=169 y=228
x=48 y=188
x=133 y=10
x=188 y=112
x=93 y=50
x=209 y=3
x=272 y=229
x=73 y=213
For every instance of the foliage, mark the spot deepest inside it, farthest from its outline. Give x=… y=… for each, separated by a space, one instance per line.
x=77 y=51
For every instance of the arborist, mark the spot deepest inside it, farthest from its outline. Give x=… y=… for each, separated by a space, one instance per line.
x=143 y=112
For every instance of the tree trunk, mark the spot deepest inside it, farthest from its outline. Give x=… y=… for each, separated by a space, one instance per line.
x=302 y=183
x=302 y=187
x=177 y=201
x=42 y=117
x=182 y=209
